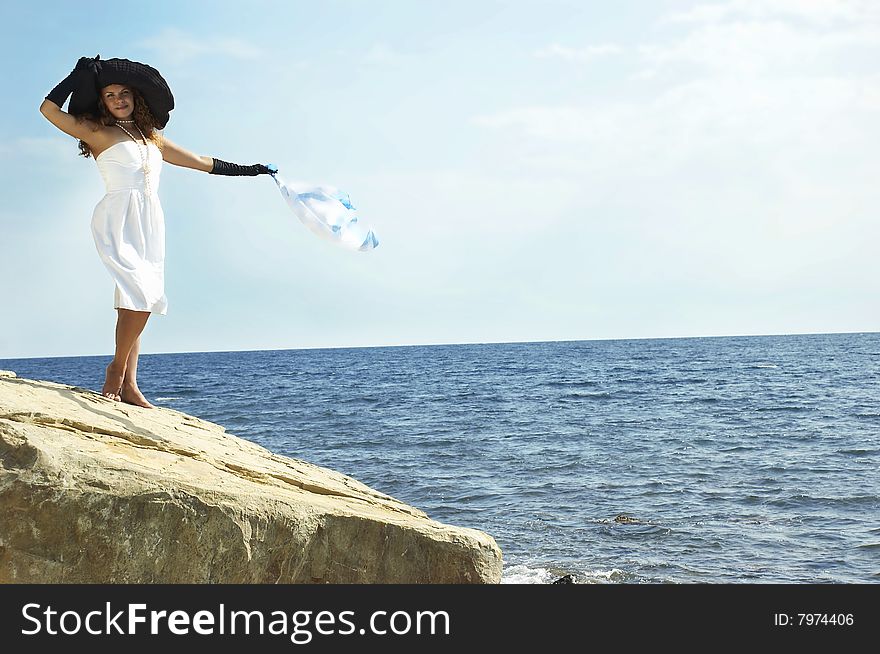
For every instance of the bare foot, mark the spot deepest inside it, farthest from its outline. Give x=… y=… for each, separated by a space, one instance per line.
x=131 y=394
x=113 y=382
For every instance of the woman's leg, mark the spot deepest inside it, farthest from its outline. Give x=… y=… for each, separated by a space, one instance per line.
x=129 y=325
x=130 y=391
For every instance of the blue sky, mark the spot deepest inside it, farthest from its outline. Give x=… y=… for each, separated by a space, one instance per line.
x=535 y=171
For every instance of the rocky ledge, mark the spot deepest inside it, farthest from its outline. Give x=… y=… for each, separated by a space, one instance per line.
x=95 y=491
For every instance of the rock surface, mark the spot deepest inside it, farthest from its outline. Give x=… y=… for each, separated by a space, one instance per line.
x=96 y=491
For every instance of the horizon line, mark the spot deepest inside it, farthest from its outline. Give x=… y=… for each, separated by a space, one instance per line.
x=361 y=347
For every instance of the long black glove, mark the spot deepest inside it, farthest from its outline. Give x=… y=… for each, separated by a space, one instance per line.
x=226 y=168
x=65 y=87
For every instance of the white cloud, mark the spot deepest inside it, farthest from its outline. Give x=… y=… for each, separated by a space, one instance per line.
x=43 y=147
x=814 y=11
x=177 y=46
x=745 y=143
x=381 y=53
x=782 y=86
x=757 y=47
x=557 y=123
x=584 y=54
x=783 y=124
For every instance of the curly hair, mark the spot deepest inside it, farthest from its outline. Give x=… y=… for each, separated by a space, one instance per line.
x=141 y=115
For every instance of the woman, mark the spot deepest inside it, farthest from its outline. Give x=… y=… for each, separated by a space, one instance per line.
x=121 y=106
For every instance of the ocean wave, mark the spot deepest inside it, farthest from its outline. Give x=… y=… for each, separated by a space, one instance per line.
x=186 y=392
x=361 y=399
x=832 y=502
x=859 y=452
x=572 y=384
x=557 y=467
x=637 y=529
x=602 y=395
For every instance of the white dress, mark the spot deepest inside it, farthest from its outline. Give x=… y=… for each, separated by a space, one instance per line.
x=129 y=227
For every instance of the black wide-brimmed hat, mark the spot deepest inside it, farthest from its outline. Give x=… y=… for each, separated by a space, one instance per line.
x=99 y=73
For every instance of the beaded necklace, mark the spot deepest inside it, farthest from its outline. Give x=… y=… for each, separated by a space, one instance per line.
x=145 y=153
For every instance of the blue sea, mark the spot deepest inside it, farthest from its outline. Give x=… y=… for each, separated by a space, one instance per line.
x=690 y=460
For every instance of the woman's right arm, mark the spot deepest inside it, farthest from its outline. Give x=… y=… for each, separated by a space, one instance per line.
x=51 y=107
x=67 y=123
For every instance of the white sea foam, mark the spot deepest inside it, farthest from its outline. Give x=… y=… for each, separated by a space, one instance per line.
x=605 y=576
x=524 y=574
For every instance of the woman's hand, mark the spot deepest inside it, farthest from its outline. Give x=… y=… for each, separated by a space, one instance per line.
x=62 y=91
x=225 y=168
x=85 y=63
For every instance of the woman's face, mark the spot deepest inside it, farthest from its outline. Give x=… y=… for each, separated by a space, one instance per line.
x=119 y=101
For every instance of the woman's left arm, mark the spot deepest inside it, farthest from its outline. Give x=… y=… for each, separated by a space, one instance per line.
x=176 y=155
